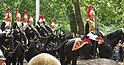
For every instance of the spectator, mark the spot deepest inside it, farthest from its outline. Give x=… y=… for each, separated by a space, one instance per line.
x=2 y=58
x=44 y=59
x=116 y=54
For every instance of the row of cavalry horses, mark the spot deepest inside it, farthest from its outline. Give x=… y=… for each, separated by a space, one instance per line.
x=20 y=44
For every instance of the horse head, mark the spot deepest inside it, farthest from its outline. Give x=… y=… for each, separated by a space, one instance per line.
x=20 y=36
x=3 y=26
x=115 y=36
x=31 y=32
x=41 y=29
x=7 y=43
x=122 y=36
x=110 y=41
x=14 y=25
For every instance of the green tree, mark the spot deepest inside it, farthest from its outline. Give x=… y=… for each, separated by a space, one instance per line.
x=70 y=15
x=78 y=16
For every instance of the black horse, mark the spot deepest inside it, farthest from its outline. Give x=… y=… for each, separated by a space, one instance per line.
x=20 y=41
x=34 y=43
x=6 y=43
x=37 y=46
x=7 y=46
x=46 y=34
x=105 y=49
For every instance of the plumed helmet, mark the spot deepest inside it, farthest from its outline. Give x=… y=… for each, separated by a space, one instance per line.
x=8 y=10
x=8 y=15
x=52 y=20
x=90 y=11
x=17 y=16
x=39 y=20
x=24 y=17
x=17 y=11
x=30 y=19
x=52 y=24
x=43 y=19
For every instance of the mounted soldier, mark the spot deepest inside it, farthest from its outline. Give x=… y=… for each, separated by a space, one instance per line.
x=91 y=30
x=30 y=20
x=52 y=26
x=8 y=17
x=30 y=24
x=6 y=25
x=17 y=18
x=24 y=20
x=46 y=26
x=90 y=21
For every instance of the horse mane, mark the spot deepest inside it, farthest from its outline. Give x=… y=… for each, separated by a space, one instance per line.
x=3 y=26
x=113 y=33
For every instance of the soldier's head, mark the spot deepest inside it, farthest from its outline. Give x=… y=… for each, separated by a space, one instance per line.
x=8 y=10
x=30 y=20
x=90 y=13
x=41 y=20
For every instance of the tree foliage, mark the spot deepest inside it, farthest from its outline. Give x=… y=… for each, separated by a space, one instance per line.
x=109 y=13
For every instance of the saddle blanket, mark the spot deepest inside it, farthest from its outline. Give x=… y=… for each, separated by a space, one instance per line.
x=79 y=43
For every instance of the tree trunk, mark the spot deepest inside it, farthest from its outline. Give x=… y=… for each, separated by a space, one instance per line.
x=78 y=16
x=71 y=15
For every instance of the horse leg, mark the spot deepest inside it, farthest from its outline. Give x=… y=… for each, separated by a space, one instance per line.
x=14 y=60
x=67 y=61
x=94 y=47
x=61 y=57
x=7 y=61
x=62 y=54
x=20 y=60
x=17 y=62
x=74 y=61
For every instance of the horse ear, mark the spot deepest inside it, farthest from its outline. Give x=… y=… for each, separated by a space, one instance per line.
x=123 y=30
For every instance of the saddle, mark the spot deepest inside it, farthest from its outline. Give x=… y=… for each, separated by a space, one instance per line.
x=79 y=43
x=95 y=38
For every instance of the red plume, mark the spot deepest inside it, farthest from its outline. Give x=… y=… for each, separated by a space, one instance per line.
x=30 y=15
x=88 y=11
x=29 y=21
x=24 y=12
x=42 y=17
x=8 y=11
x=39 y=18
x=17 y=11
x=53 y=20
x=23 y=19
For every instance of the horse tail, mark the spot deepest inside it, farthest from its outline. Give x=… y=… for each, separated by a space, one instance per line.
x=61 y=52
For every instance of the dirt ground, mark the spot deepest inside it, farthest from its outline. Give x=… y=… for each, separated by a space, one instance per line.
x=84 y=61
x=81 y=62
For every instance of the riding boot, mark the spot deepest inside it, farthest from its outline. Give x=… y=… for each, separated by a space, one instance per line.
x=94 y=48
x=93 y=54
